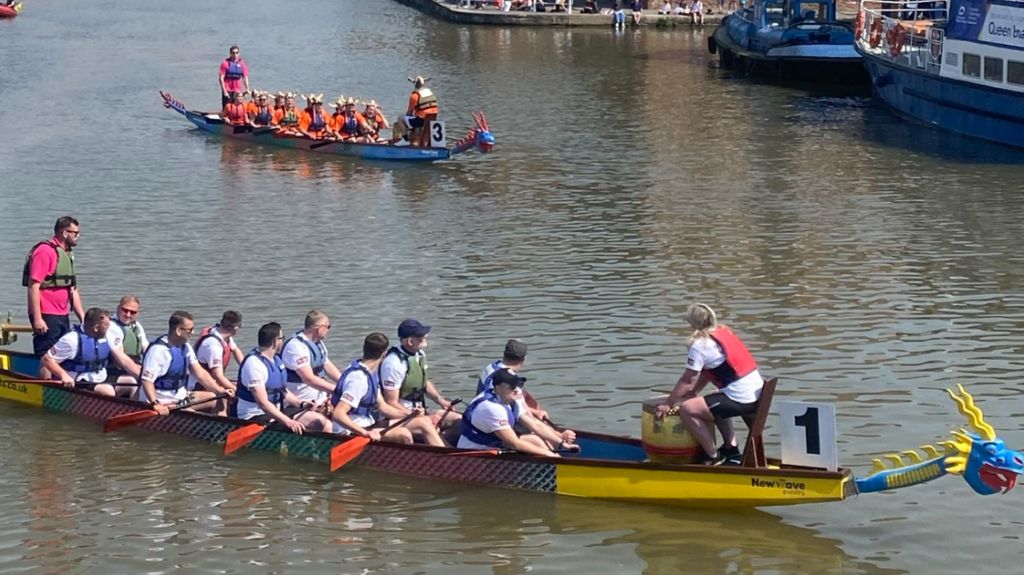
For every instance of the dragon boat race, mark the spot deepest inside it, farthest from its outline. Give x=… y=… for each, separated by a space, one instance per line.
x=428 y=286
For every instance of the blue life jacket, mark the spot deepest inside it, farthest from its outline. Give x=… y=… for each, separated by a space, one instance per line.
x=234 y=71
x=275 y=379
x=317 y=358
x=368 y=403
x=264 y=116
x=92 y=355
x=479 y=437
x=351 y=125
x=317 y=124
x=177 y=373
x=485 y=384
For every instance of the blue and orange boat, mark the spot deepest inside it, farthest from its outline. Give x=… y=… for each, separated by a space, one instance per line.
x=607 y=467
x=479 y=137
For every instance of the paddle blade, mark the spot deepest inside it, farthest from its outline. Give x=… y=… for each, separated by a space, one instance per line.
x=126 y=419
x=347 y=451
x=242 y=436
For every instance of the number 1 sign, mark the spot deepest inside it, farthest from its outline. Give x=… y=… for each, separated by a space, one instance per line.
x=808 y=433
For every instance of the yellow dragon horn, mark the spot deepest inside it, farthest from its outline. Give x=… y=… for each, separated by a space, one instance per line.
x=965 y=404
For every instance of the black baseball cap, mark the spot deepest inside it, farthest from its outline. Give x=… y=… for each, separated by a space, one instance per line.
x=412 y=328
x=508 y=377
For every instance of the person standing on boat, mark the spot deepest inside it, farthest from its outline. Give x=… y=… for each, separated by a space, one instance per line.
x=215 y=348
x=262 y=394
x=422 y=110
x=311 y=374
x=490 y=419
x=80 y=357
x=49 y=275
x=358 y=408
x=166 y=365
x=716 y=355
x=403 y=376
x=234 y=76
x=126 y=334
x=532 y=419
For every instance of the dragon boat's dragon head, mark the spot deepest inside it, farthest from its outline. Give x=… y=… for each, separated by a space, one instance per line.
x=978 y=454
x=479 y=137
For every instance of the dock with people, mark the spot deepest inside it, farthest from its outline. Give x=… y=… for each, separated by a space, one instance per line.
x=573 y=14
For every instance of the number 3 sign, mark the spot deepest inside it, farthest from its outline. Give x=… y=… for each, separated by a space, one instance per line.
x=808 y=433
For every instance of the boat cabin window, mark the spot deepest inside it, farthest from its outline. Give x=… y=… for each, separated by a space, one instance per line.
x=972 y=65
x=773 y=13
x=804 y=11
x=1015 y=72
x=993 y=69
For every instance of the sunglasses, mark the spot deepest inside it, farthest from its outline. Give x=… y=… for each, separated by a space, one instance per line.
x=127 y=311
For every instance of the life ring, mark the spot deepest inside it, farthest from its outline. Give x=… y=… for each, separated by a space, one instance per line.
x=896 y=37
x=876 y=33
x=858 y=25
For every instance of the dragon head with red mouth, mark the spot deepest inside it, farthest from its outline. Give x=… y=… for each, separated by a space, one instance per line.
x=985 y=462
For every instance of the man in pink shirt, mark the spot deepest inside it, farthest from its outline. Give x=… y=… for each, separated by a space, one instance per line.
x=49 y=275
x=234 y=76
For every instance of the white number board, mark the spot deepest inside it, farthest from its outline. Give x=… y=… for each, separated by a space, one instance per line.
x=808 y=434
x=438 y=138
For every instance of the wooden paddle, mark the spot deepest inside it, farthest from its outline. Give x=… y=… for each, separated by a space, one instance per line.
x=350 y=449
x=126 y=419
x=245 y=435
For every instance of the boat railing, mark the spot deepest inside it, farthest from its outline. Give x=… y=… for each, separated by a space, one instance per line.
x=908 y=32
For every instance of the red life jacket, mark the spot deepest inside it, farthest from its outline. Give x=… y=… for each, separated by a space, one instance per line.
x=208 y=332
x=738 y=361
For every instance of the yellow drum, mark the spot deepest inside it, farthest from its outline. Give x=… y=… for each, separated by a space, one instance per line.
x=666 y=441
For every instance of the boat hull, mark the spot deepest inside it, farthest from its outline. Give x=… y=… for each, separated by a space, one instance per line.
x=950 y=104
x=613 y=469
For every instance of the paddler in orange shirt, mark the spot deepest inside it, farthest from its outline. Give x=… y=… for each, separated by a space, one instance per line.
x=313 y=122
x=261 y=114
x=350 y=126
x=374 y=121
x=250 y=106
x=234 y=111
x=287 y=118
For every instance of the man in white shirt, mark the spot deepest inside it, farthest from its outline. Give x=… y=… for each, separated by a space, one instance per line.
x=81 y=356
x=127 y=334
x=166 y=366
x=215 y=348
x=311 y=374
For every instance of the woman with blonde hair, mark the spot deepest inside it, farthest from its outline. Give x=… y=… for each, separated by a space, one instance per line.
x=716 y=355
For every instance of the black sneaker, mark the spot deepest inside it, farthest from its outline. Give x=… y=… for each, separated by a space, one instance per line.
x=710 y=460
x=729 y=451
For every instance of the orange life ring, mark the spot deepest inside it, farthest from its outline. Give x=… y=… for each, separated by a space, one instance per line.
x=858 y=25
x=896 y=37
x=876 y=32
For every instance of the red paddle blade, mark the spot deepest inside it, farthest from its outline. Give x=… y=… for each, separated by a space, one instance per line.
x=126 y=419
x=477 y=452
x=347 y=451
x=242 y=436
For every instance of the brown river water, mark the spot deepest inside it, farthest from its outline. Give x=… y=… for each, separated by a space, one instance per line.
x=866 y=261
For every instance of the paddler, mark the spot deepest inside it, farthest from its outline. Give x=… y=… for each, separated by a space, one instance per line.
x=716 y=355
x=350 y=125
x=261 y=115
x=311 y=374
x=375 y=121
x=490 y=420
x=80 y=357
x=234 y=111
x=234 y=76
x=422 y=109
x=262 y=394
x=288 y=117
x=167 y=364
x=534 y=420
x=358 y=408
x=279 y=101
x=215 y=348
x=313 y=122
x=126 y=334
x=403 y=376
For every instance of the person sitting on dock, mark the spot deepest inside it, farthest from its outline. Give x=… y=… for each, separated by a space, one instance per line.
x=590 y=7
x=350 y=126
x=261 y=115
x=716 y=355
x=422 y=110
x=375 y=121
x=215 y=348
x=666 y=8
x=313 y=122
x=80 y=357
x=489 y=421
x=697 y=12
x=262 y=394
x=403 y=376
x=166 y=365
x=234 y=111
x=311 y=374
x=287 y=118
x=358 y=408
x=126 y=333
x=533 y=419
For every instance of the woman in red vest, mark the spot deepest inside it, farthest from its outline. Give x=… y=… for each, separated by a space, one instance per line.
x=717 y=356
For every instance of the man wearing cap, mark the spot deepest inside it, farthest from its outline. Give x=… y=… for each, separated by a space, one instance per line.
x=49 y=275
x=311 y=375
x=403 y=375
x=234 y=76
x=422 y=110
x=490 y=420
x=530 y=418
x=359 y=409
